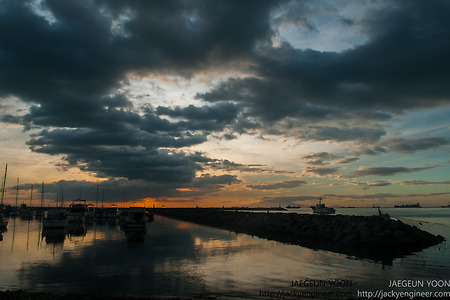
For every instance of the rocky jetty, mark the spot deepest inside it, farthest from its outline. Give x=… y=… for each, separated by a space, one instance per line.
x=374 y=237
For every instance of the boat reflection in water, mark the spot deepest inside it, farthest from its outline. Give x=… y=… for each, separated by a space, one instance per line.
x=54 y=235
x=56 y=218
x=59 y=225
x=78 y=211
x=134 y=223
x=76 y=229
x=135 y=237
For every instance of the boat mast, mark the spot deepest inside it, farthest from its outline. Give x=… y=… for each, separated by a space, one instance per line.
x=31 y=194
x=61 y=196
x=4 y=184
x=17 y=191
x=42 y=195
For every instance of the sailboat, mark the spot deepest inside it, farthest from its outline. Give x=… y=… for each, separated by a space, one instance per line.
x=15 y=211
x=39 y=213
x=56 y=217
x=26 y=213
x=3 y=221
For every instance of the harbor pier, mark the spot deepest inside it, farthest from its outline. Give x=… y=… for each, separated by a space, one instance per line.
x=373 y=237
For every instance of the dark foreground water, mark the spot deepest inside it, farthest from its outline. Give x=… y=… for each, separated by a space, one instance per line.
x=180 y=259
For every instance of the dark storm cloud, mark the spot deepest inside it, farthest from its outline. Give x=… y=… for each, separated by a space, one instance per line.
x=322 y=171
x=11 y=119
x=321 y=158
x=412 y=145
x=79 y=52
x=67 y=57
x=70 y=61
x=207 y=118
x=276 y=186
x=404 y=145
x=324 y=158
x=403 y=65
x=423 y=182
x=347 y=160
x=386 y=171
x=369 y=184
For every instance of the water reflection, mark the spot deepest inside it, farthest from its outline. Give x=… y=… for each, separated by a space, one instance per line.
x=181 y=259
x=110 y=267
x=54 y=235
x=76 y=229
x=135 y=238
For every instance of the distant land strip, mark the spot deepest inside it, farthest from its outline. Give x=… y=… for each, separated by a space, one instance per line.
x=370 y=237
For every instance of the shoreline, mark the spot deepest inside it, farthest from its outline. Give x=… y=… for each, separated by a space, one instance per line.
x=367 y=237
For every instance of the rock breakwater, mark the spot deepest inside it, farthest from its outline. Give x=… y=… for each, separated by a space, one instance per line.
x=371 y=237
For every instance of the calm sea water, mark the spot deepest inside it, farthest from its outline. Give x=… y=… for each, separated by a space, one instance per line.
x=181 y=259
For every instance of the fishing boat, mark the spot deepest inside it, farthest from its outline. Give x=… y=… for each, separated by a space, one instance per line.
x=78 y=211
x=321 y=208
x=55 y=218
x=136 y=219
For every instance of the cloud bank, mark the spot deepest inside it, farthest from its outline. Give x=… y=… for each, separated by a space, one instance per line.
x=71 y=62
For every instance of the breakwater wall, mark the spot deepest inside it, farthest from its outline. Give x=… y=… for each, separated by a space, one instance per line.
x=372 y=237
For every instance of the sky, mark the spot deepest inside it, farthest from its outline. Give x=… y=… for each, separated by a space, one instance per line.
x=226 y=103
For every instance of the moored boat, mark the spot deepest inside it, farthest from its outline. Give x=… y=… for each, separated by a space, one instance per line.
x=26 y=213
x=3 y=222
x=55 y=218
x=78 y=211
x=150 y=216
x=15 y=212
x=100 y=214
x=136 y=219
x=111 y=213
